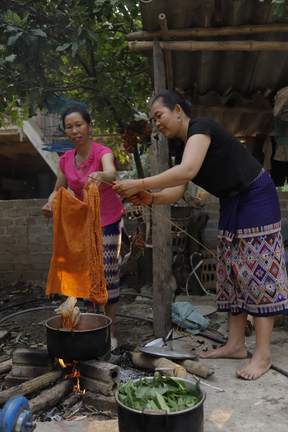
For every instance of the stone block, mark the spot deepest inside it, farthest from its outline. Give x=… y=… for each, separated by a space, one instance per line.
x=101 y=402
x=29 y=371
x=36 y=357
x=10 y=381
x=99 y=376
x=30 y=363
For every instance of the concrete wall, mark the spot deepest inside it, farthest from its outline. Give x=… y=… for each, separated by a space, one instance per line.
x=26 y=241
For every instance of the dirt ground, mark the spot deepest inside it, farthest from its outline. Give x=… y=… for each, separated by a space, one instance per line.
x=24 y=309
x=231 y=404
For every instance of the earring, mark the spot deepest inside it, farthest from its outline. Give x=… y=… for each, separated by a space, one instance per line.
x=178 y=119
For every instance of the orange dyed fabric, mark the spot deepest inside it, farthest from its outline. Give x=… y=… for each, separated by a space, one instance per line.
x=76 y=268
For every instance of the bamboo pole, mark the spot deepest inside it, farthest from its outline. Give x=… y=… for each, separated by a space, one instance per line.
x=211 y=31
x=211 y=46
x=168 y=56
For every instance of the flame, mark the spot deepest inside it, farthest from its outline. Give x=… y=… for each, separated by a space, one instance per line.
x=74 y=374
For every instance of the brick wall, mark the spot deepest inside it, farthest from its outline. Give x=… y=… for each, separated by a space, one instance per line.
x=26 y=242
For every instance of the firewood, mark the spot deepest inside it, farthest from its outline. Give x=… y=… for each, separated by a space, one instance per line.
x=164 y=365
x=4 y=358
x=50 y=397
x=30 y=386
x=196 y=368
x=5 y=366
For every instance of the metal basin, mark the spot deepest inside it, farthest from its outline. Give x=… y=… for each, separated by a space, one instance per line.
x=189 y=420
x=89 y=341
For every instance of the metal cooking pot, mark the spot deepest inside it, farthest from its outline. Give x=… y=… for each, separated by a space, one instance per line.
x=189 y=420
x=89 y=341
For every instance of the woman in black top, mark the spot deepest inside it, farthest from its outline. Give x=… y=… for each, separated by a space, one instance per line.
x=251 y=271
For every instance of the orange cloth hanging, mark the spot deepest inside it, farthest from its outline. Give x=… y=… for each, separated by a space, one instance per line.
x=76 y=268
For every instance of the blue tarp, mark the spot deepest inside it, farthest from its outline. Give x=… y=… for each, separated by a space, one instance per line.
x=188 y=318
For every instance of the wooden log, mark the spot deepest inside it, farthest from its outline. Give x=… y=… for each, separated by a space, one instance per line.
x=161 y=235
x=196 y=368
x=5 y=366
x=49 y=398
x=211 y=31
x=249 y=45
x=165 y=366
x=168 y=57
x=4 y=358
x=30 y=386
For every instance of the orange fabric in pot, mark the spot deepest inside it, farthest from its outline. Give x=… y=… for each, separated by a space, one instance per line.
x=76 y=268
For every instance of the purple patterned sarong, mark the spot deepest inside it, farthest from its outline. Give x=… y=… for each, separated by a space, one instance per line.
x=251 y=270
x=111 y=236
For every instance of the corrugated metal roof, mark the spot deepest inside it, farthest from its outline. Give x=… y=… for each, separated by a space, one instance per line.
x=234 y=79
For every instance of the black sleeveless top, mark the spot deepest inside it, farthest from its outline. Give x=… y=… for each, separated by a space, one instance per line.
x=228 y=167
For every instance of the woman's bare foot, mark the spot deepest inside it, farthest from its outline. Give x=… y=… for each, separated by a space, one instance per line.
x=225 y=352
x=256 y=367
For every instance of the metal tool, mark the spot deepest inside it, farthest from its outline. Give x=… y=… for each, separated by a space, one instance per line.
x=16 y=416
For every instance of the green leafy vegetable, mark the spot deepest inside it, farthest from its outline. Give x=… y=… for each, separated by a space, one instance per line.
x=163 y=393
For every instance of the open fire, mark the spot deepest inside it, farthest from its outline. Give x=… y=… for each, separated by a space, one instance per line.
x=73 y=374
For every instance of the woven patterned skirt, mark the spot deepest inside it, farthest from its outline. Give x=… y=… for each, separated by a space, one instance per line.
x=251 y=270
x=111 y=249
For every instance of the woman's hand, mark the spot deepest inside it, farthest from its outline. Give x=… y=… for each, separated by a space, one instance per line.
x=140 y=198
x=47 y=210
x=127 y=188
x=95 y=177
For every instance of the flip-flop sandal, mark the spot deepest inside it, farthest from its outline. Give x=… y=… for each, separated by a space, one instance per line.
x=114 y=344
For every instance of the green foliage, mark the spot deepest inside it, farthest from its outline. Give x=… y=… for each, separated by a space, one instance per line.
x=73 y=49
x=280 y=6
x=160 y=393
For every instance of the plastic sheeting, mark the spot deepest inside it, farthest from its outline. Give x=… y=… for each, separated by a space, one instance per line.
x=187 y=317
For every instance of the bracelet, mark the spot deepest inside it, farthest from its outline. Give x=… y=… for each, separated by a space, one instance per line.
x=143 y=184
x=152 y=199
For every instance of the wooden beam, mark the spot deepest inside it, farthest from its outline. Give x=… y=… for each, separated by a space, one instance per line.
x=249 y=45
x=18 y=148
x=161 y=232
x=241 y=109
x=210 y=31
x=168 y=57
x=33 y=132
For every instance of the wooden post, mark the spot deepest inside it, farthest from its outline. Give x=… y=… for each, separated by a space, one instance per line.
x=168 y=56
x=161 y=229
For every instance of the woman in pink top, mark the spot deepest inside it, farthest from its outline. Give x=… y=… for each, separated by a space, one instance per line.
x=97 y=161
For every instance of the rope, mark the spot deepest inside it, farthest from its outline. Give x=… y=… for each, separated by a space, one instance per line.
x=172 y=223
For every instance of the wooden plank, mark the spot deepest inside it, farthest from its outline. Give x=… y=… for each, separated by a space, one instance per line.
x=161 y=231
x=18 y=148
x=33 y=132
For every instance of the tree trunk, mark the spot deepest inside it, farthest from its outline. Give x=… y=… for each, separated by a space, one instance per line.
x=161 y=228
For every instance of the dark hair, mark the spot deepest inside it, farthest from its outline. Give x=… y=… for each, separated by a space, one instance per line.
x=82 y=111
x=171 y=98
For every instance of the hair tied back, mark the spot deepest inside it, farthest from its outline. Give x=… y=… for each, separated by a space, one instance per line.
x=181 y=92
